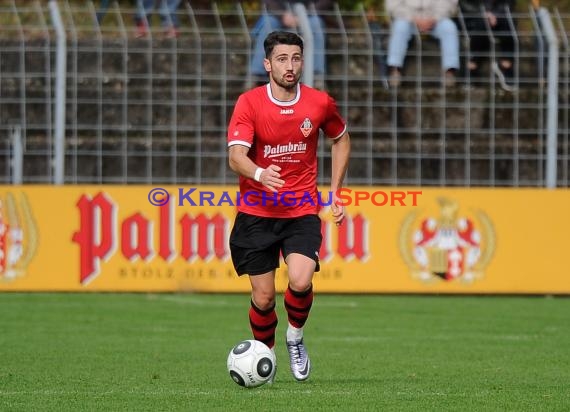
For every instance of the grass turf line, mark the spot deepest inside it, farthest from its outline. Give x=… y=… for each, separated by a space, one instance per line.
x=167 y=352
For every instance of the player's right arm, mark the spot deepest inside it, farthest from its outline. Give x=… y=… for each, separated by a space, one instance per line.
x=240 y=139
x=244 y=166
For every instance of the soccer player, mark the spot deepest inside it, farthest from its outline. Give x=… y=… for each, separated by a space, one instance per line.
x=272 y=141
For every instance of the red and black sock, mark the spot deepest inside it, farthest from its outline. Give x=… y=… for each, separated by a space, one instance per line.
x=263 y=324
x=298 y=306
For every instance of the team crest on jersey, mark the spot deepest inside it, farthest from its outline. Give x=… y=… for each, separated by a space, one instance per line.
x=18 y=236
x=306 y=127
x=449 y=248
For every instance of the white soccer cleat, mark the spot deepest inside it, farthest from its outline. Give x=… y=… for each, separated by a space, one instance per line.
x=300 y=362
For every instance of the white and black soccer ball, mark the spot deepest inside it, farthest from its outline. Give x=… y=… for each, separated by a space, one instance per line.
x=251 y=363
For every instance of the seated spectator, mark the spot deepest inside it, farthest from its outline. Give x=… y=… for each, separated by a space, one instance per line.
x=475 y=12
x=423 y=16
x=278 y=15
x=166 y=9
x=376 y=30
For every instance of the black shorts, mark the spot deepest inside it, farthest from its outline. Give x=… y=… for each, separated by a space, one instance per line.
x=257 y=242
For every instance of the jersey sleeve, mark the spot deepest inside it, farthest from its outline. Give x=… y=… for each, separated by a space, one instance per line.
x=240 y=128
x=334 y=125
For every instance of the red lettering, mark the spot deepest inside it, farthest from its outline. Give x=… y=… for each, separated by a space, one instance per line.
x=96 y=235
x=204 y=237
x=398 y=196
x=353 y=238
x=166 y=232
x=384 y=200
x=414 y=193
x=344 y=200
x=361 y=195
x=136 y=237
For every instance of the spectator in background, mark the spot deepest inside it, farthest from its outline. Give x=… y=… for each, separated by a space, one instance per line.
x=166 y=9
x=377 y=31
x=279 y=15
x=425 y=16
x=477 y=15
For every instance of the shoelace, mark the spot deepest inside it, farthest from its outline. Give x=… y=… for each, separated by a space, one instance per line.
x=296 y=353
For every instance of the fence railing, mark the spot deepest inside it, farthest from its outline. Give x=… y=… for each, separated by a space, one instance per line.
x=83 y=100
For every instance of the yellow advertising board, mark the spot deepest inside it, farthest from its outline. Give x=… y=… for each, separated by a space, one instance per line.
x=394 y=240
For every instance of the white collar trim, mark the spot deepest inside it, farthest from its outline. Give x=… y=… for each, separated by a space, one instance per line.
x=280 y=102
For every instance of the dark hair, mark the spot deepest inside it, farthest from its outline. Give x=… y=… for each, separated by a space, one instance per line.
x=281 y=37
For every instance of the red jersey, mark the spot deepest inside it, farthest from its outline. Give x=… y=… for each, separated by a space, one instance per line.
x=285 y=134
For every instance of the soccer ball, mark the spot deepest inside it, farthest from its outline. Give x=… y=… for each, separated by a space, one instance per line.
x=251 y=363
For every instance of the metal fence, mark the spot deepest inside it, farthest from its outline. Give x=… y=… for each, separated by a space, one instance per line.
x=83 y=100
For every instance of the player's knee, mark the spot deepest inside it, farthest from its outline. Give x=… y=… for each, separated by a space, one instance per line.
x=300 y=284
x=264 y=300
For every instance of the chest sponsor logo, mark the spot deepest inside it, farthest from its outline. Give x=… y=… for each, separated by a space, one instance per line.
x=272 y=151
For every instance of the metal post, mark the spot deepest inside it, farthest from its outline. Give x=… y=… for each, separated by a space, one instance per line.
x=60 y=85
x=198 y=51
x=565 y=84
x=223 y=80
x=552 y=97
x=17 y=156
x=308 y=42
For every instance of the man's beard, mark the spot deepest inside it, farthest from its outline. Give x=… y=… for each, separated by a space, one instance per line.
x=285 y=84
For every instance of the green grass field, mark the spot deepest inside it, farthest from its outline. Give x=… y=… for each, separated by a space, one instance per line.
x=166 y=352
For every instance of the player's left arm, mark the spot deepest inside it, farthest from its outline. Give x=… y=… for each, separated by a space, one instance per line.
x=335 y=128
x=340 y=154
